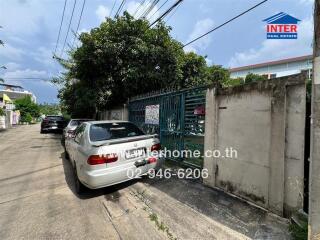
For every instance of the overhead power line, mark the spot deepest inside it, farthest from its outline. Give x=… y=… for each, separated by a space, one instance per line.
x=149 y=8
x=65 y=40
x=114 y=4
x=166 y=12
x=62 y=17
x=138 y=8
x=120 y=8
x=75 y=36
x=170 y=16
x=158 y=9
x=225 y=23
x=143 y=6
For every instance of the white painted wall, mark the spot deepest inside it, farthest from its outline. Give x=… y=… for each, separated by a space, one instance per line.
x=265 y=123
x=280 y=70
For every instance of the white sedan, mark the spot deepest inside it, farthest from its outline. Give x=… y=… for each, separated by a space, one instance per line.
x=105 y=153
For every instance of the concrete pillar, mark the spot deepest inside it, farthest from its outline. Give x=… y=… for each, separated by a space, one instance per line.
x=125 y=113
x=295 y=145
x=210 y=136
x=314 y=189
x=277 y=149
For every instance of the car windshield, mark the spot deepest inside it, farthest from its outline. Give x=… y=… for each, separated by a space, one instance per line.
x=107 y=131
x=54 y=118
x=78 y=122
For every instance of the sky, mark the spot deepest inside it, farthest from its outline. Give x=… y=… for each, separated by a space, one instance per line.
x=30 y=30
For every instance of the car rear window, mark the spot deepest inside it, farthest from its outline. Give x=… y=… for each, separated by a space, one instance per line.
x=78 y=122
x=107 y=131
x=55 y=118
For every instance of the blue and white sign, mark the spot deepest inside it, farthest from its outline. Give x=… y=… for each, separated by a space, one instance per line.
x=282 y=26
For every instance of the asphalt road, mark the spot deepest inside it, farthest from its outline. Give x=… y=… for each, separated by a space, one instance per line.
x=37 y=200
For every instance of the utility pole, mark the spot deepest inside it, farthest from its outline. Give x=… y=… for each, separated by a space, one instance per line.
x=314 y=194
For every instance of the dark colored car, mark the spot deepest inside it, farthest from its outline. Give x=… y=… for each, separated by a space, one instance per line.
x=53 y=123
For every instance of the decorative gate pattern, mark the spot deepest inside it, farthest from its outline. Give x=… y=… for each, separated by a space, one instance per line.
x=181 y=120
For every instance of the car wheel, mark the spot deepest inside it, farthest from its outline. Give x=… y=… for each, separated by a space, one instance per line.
x=79 y=187
x=42 y=131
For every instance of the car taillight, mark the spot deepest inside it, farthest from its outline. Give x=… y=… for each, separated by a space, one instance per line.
x=71 y=131
x=97 y=159
x=152 y=160
x=155 y=147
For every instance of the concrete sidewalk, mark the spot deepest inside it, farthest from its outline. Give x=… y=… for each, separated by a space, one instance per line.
x=189 y=210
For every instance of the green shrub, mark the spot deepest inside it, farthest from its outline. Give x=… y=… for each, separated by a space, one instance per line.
x=26 y=118
x=251 y=77
x=297 y=232
x=2 y=112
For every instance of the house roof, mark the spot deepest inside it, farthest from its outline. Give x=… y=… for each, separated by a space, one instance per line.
x=271 y=63
x=281 y=18
x=9 y=85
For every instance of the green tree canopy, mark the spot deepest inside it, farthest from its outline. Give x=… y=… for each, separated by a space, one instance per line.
x=27 y=108
x=124 y=57
x=49 y=109
x=252 y=77
x=218 y=75
x=194 y=71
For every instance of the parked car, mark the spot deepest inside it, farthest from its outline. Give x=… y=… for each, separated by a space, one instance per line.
x=53 y=123
x=105 y=153
x=68 y=131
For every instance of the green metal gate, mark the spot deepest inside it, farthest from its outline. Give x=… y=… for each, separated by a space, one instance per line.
x=180 y=122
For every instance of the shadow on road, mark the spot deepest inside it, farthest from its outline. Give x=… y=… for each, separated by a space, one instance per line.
x=90 y=193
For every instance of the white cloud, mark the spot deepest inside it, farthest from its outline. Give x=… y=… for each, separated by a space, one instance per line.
x=209 y=61
x=102 y=12
x=83 y=30
x=44 y=55
x=278 y=49
x=306 y=1
x=10 y=52
x=132 y=7
x=26 y=73
x=201 y=27
x=23 y=18
x=11 y=66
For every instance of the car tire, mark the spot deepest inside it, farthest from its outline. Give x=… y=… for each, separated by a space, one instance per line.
x=79 y=187
x=42 y=131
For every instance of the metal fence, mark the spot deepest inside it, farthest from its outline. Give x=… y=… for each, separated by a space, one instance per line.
x=178 y=117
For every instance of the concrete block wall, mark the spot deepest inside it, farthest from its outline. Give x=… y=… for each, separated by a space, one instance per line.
x=264 y=122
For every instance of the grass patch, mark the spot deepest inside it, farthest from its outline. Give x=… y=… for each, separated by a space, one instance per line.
x=161 y=226
x=297 y=232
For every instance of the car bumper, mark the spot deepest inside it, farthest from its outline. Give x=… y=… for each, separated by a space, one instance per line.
x=113 y=175
x=52 y=128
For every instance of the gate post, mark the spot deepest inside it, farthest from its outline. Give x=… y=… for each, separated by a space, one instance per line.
x=210 y=136
x=277 y=148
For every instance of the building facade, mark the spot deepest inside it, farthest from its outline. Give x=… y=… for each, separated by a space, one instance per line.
x=15 y=92
x=273 y=69
x=9 y=93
